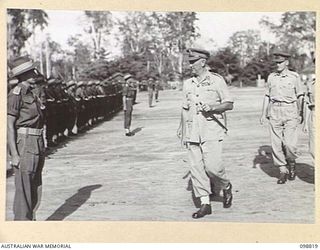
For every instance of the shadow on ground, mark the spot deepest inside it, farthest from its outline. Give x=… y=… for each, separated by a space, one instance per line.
x=137 y=130
x=304 y=171
x=73 y=203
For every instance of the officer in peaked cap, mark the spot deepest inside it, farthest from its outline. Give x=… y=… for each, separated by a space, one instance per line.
x=25 y=139
x=282 y=110
x=205 y=99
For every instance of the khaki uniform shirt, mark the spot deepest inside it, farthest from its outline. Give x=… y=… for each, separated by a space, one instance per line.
x=25 y=106
x=202 y=126
x=128 y=91
x=284 y=87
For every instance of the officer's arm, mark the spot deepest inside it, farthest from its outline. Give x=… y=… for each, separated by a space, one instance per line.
x=220 y=108
x=12 y=135
x=265 y=106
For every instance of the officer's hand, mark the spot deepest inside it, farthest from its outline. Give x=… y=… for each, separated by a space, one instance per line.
x=15 y=161
x=124 y=108
x=205 y=107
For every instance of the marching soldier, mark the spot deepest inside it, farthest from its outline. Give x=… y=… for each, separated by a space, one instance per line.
x=205 y=100
x=282 y=107
x=25 y=138
x=128 y=95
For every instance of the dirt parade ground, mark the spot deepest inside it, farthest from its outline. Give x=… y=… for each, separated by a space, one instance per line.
x=102 y=175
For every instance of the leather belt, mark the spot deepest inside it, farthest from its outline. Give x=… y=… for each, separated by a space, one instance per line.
x=30 y=131
x=129 y=98
x=282 y=103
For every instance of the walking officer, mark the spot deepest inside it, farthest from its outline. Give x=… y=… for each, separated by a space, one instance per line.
x=282 y=107
x=25 y=138
x=205 y=100
x=128 y=95
x=309 y=117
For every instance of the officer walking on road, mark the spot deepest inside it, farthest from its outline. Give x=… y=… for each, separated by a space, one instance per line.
x=25 y=138
x=205 y=100
x=309 y=117
x=282 y=107
x=128 y=95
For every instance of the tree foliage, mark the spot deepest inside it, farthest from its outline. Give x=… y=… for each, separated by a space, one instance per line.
x=21 y=26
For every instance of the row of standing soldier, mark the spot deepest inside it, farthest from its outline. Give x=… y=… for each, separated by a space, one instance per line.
x=73 y=107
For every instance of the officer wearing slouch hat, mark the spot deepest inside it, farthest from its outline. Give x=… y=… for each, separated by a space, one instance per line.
x=25 y=139
x=282 y=108
x=205 y=100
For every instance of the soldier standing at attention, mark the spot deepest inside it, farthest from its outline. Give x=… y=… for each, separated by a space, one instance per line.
x=205 y=99
x=128 y=95
x=25 y=138
x=150 y=90
x=282 y=107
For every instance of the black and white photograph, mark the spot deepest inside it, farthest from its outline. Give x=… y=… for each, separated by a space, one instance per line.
x=162 y=116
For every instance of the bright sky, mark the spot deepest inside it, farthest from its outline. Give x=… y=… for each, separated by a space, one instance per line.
x=218 y=26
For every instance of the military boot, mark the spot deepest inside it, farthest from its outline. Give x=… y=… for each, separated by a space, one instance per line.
x=292 y=171
x=227 y=196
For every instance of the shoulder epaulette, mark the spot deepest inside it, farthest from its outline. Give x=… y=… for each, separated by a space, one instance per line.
x=16 y=90
x=217 y=75
x=294 y=73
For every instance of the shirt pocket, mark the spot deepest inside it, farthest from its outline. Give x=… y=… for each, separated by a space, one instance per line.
x=288 y=90
x=210 y=95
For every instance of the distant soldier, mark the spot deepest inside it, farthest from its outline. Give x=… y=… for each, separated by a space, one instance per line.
x=71 y=86
x=80 y=105
x=309 y=112
x=282 y=107
x=128 y=94
x=62 y=112
x=25 y=138
x=150 y=90
x=205 y=99
x=135 y=86
x=101 y=95
x=157 y=88
x=51 y=113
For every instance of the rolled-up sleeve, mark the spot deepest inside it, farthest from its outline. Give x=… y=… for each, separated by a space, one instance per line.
x=298 y=87
x=13 y=104
x=267 y=91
